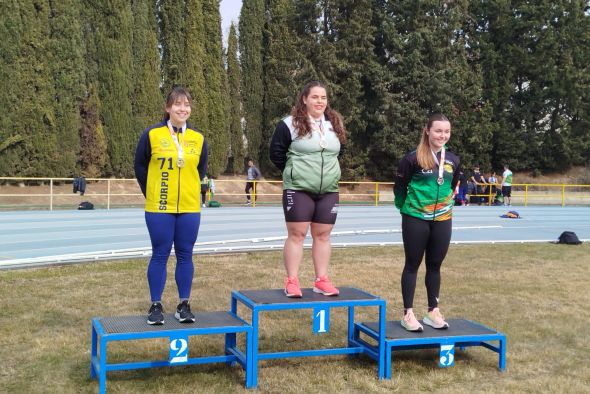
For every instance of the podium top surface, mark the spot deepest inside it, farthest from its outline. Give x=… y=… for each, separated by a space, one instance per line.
x=277 y=296
x=457 y=328
x=135 y=324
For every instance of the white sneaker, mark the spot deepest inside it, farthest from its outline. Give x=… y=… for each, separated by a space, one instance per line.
x=410 y=323
x=435 y=319
x=204 y=206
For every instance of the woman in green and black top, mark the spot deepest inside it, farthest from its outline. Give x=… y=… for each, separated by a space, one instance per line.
x=424 y=185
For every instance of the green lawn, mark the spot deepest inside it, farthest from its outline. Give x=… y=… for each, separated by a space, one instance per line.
x=536 y=294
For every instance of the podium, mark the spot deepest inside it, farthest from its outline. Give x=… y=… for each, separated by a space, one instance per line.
x=377 y=339
x=461 y=333
x=124 y=328
x=259 y=301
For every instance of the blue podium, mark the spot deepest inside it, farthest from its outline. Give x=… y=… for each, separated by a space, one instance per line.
x=461 y=333
x=124 y=328
x=259 y=301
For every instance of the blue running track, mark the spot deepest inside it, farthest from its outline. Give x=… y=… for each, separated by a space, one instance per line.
x=29 y=238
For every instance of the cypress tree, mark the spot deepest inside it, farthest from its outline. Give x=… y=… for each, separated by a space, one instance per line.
x=12 y=137
x=347 y=58
x=280 y=71
x=252 y=17
x=193 y=76
x=35 y=115
x=172 y=28
x=67 y=67
x=114 y=76
x=92 y=155
x=235 y=106
x=217 y=132
x=146 y=97
x=424 y=50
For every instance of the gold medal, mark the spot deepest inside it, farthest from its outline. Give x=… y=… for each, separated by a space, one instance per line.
x=180 y=162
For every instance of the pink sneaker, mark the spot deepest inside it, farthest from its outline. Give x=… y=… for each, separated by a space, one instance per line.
x=410 y=323
x=323 y=286
x=435 y=319
x=292 y=288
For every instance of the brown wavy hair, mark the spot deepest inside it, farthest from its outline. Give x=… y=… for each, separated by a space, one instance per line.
x=301 y=118
x=424 y=152
x=175 y=93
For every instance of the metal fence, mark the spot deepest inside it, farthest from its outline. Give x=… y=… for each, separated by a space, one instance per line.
x=108 y=193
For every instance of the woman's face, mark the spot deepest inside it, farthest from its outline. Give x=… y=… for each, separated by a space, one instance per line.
x=316 y=102
x=179 y=111
x=438 y=134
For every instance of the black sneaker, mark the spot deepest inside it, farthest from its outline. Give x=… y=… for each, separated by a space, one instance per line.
x=183 y=313
x=155 y=314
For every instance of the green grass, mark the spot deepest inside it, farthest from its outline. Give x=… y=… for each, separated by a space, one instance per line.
x=536 y=294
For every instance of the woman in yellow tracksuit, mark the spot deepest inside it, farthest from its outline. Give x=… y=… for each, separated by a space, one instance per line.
x=170 y=159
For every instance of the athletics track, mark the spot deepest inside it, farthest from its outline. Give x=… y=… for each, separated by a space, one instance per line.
x=31 y=238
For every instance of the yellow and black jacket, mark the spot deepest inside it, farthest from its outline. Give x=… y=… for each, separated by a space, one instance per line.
x=166 y=187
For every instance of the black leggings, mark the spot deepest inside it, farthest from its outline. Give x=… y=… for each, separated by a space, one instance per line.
x=424 y=236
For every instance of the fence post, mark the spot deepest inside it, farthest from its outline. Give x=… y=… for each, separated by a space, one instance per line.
x=526 y=194
x=563 y=195
x=254 y=193
x=108 y=194
x=51 y=194
x=376 y=194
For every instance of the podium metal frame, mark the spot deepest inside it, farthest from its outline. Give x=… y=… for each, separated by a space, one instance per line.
x=431 y=338
x=230 y=326
x=311 y=300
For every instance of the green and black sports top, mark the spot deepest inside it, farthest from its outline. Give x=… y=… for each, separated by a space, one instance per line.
x=417 y=192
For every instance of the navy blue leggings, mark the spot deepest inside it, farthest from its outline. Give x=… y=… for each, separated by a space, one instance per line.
x=424 y=237
x=166 y=229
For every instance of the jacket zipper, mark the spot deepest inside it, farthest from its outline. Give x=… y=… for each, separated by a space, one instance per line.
x=435 y=202
x=322 y=172
x=178 y=194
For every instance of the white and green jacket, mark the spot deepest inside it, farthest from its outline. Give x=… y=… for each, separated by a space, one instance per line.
x=305 y=164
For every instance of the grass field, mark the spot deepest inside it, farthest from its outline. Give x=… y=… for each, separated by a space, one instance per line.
x=535 y=294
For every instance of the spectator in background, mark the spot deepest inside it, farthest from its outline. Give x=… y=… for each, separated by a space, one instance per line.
x=462 y=188
x=493 y=181
x=204 y=189
x=211 y=188
x=480 y=184
x=507 y=185
x=253 y=175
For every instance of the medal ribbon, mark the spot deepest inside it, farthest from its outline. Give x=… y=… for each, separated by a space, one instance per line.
x=319 y=126
x=176 y=142
x=441 y=164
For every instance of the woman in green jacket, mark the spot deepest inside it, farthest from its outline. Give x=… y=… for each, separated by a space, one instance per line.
x=306 y=146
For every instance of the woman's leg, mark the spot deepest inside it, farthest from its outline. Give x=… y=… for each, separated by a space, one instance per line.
x=415 y=234
x=293 y=249
x=321 y=248
x=185 y=236
x=161 y=229
x=436 y=251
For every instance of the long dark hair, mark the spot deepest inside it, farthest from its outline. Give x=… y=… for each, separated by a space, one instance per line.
x=301 y=118
x=175 y=93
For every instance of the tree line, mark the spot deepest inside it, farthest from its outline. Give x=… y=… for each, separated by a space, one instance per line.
x=83 y=78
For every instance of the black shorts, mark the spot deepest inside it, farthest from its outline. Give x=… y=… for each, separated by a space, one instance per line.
x=301 y=206
x=506 y=191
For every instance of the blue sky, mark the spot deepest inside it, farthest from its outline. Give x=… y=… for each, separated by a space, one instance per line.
x=230 y=11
